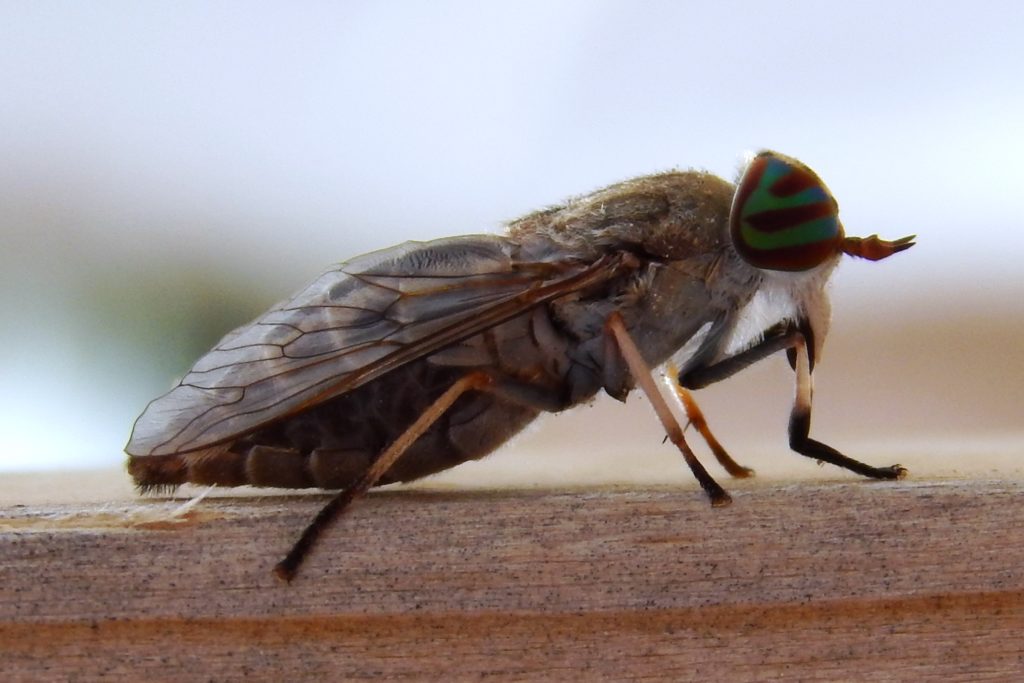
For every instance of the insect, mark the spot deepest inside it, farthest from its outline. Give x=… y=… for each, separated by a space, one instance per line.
x=411 y=360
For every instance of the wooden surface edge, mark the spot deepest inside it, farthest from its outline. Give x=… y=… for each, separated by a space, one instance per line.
x=810 y=581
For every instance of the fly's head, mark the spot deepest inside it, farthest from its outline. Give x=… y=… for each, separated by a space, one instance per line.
x=785 y=222
x=784 y=218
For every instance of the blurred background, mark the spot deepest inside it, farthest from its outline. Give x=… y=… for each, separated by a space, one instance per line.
x=170 y=170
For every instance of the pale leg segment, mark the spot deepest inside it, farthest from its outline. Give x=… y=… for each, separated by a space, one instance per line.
x=641 y=373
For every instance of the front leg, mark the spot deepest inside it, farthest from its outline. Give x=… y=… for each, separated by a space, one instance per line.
x=793 y=339
x=775 y=340
x=800 y=426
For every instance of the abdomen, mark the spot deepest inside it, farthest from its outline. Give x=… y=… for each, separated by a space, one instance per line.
x=331 y=444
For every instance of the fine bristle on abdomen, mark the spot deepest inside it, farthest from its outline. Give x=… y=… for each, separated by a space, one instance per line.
x=155 y=473
x=212 y=466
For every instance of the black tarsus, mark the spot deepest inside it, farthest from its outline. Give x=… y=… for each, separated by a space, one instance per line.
x=787 y=337
x=286 y=568
x=800 y=441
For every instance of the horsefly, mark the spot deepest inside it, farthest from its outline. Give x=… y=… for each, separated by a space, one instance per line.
x=411 y=360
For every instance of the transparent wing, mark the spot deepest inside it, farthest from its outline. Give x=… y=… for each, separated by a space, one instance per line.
x=353 y=323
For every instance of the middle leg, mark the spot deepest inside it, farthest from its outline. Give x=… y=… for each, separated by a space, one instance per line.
x=700 y=423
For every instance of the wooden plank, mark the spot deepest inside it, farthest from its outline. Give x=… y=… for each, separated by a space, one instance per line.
x=869 y=580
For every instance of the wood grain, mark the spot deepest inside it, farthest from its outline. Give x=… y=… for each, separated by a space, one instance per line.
x=873 y=581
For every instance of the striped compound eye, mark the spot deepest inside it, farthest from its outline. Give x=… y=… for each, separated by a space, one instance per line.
x=783 y=217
